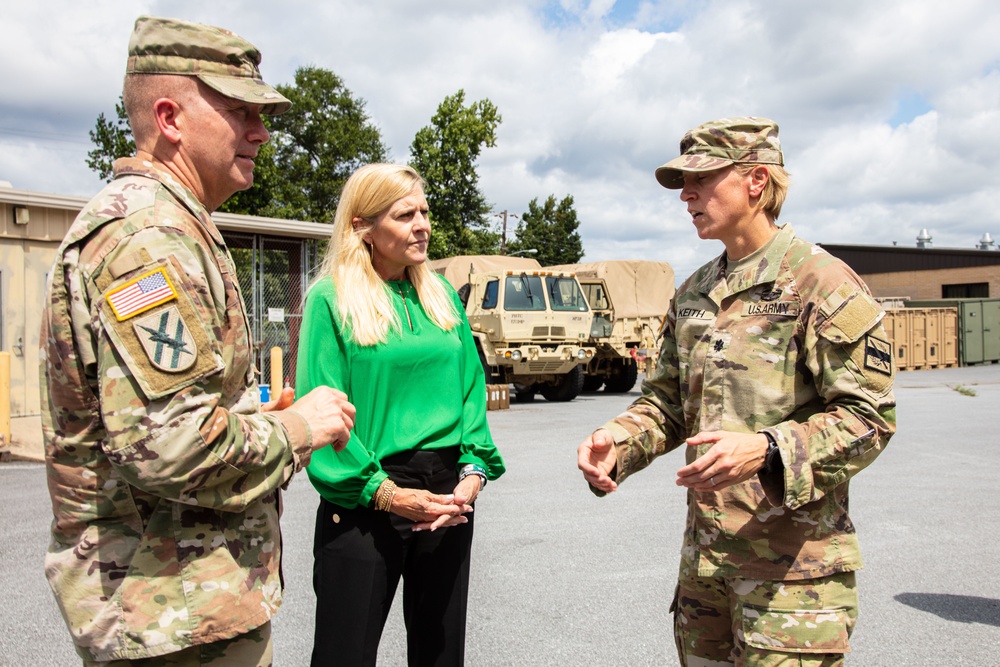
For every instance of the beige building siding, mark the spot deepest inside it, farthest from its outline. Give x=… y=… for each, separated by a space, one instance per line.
x=28 y=251
x=919 y=285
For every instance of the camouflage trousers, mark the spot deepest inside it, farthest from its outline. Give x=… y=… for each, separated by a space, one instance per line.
x=752 y=623
x=252 y=649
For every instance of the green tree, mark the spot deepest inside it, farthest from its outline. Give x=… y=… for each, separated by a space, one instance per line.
x=317 y=145
x=445 y=154
x=112 y=140
x=550 y=229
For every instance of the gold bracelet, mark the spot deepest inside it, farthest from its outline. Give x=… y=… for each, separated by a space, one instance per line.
x=390 y=493
x=377 y=500
x=384 y=495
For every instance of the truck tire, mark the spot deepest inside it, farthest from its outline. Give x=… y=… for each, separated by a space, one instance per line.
x=567 y=388
x=592 y=383
x=523 y=393
x=622 y=378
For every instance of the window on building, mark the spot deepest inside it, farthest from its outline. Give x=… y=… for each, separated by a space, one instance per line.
x=966 y=291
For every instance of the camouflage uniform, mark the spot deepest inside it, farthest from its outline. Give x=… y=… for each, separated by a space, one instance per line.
x=791 y=345
x=163 y=473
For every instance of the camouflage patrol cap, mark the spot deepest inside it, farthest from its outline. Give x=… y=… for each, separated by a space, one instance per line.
x=222 y=60
x=720 y=143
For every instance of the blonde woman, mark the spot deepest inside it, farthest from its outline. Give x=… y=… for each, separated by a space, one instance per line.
x=383 y=328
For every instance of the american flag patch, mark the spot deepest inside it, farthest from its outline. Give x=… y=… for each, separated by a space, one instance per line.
x=140 y=294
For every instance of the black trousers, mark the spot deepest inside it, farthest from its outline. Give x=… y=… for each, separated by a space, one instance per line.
x=360 y=555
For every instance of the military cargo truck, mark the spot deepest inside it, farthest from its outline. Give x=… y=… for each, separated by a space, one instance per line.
x=531 y=326
x=629 y=299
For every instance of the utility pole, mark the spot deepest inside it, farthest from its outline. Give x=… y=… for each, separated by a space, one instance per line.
x=503 y=236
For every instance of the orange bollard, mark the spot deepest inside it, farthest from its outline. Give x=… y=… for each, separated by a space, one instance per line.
x=4 y=400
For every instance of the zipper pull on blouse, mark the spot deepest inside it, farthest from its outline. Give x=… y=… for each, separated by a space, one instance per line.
x=406 y=308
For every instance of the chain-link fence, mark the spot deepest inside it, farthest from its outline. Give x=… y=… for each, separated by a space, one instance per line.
x=274 y=274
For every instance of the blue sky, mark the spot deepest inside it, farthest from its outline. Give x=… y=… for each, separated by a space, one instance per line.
x=888 y=111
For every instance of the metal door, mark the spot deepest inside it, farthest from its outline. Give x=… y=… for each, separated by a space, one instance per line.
x=971 y=315
x=991 y=330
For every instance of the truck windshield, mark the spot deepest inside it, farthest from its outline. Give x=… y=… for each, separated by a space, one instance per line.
x=564 y=293
x=524 y=293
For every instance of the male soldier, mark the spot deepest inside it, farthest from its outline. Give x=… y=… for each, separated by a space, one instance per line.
x=776 y=372
x=163 y=470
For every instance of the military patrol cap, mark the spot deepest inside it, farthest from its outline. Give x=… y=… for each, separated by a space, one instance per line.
x=222 y=60
x=720 y=143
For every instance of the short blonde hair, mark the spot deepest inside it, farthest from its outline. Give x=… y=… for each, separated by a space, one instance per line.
x=364 y=303
x=776 y=189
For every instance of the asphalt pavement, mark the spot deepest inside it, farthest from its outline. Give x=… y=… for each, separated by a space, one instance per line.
x=561 y=577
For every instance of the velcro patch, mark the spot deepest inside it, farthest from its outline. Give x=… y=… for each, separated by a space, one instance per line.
x=154 y=346
x=141 y=294
x=850 y=313
x=878 y=355
x=167 y=340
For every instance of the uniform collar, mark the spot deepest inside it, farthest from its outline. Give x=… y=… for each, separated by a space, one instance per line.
x=133 y=166
x=714 y=284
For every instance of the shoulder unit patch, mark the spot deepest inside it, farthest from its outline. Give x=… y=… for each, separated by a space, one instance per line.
x=166 y=339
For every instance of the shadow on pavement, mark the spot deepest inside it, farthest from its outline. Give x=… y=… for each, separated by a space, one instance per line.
x=960 y=608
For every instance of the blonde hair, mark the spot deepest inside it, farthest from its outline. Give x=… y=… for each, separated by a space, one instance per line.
x=364 y=302
x=776 y=189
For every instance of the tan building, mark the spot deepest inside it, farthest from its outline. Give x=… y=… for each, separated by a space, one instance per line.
x=923 y=273
x=274 y=259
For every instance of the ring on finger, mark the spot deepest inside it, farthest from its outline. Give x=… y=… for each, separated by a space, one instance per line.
x=712 y=480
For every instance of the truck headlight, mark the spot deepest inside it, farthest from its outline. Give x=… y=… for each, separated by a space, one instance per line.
x=515 y=355
x=581 y=354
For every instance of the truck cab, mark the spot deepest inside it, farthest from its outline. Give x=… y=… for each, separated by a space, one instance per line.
x=531 y=326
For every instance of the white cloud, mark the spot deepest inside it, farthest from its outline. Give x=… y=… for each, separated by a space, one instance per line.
x=594 y=95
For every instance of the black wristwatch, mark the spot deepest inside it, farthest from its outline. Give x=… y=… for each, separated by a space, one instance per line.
x=772 y=459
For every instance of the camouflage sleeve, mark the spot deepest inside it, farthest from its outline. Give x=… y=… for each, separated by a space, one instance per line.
x=850 y=359
x=178 y=401
x=654 y=424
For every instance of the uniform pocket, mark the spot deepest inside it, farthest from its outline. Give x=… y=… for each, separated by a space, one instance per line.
x=158 y=332
x=797 y=630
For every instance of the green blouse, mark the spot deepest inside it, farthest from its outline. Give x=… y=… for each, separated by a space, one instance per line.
x=423 y=389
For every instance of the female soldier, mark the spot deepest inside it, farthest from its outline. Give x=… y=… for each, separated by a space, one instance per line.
x=776 y=372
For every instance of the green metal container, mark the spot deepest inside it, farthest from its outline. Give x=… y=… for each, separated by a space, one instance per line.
x=978 y=327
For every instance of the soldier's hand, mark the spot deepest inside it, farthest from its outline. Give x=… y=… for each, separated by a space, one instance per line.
x=596 y=458
x=732 y=458
x=330 y=416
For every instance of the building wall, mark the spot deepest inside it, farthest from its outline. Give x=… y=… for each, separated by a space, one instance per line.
x=26 y=255
x=927 y=284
